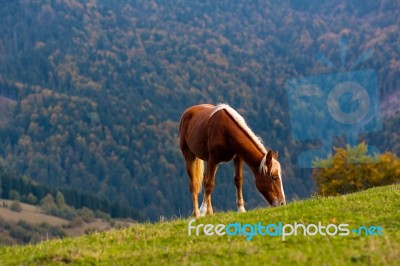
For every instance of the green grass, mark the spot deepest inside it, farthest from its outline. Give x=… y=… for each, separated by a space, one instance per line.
x=168 y=243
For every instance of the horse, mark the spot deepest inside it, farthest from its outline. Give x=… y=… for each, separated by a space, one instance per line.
x=216 y=134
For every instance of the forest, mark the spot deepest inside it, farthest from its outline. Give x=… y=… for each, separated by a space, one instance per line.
x=91 y=92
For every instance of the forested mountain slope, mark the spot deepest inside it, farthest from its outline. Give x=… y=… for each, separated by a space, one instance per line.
x=99 y=86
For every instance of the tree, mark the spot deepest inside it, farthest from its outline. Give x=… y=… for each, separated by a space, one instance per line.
x=13 y=195
x=48 y=202
x=60 y=201
x=352 y=169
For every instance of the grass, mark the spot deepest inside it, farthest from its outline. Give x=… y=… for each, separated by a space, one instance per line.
x=168 y=243
x=35 y=215
x=30 y=213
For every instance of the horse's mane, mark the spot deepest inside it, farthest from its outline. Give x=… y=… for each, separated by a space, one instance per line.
x=240 y=121
x=263 y=168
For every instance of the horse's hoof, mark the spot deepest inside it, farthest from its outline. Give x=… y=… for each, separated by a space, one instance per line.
x=203 y=209
x=241 y=209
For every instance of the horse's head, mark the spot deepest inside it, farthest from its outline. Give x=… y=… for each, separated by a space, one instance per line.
x=269 y=180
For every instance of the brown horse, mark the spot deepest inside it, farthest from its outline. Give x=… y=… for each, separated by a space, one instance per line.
x=218 y=134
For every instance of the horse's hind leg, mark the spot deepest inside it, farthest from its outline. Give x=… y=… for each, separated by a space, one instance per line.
x=209 y=184
x=194 y=168
x=238 y=162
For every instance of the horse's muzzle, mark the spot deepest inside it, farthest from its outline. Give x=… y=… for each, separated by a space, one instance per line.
x=279 y=203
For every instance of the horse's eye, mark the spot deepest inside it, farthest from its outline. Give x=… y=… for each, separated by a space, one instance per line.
x=274 y=177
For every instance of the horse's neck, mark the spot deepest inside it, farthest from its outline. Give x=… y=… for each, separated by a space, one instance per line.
x=246 y=148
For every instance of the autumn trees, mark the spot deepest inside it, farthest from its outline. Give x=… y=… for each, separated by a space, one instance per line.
x=353 y=169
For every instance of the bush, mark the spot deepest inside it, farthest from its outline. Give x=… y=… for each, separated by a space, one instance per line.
x=67 y=212
x=337 y=176
x=16 y=206
x=102 y=215
x=86 y=214
x=31 y=199
x=77 y=221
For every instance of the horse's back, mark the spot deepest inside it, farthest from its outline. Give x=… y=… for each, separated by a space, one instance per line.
x=199 y=113
x=198 y=110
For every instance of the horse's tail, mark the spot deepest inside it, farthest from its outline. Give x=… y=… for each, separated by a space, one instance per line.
x=198 y=172
x=199 y=169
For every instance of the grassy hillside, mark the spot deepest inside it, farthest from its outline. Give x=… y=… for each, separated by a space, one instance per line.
x=167 y=243
x=31 y=213
x=33 y=224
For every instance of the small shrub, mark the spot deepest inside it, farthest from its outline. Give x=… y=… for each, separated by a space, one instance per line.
x=77 y=221
x=16 y=206
x=31 y=199
x=86 y=214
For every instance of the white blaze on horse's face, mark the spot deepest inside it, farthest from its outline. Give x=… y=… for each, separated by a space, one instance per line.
x=269 y=183
x=280 y=179
x=282 y=199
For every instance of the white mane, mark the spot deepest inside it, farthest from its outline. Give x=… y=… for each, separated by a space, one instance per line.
x=263 y=168
x=240 y=120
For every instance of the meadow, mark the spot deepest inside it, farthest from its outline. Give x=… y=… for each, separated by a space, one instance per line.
x=168 y=242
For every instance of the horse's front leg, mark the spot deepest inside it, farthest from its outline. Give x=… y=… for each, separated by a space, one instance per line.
x=238 y=162
x=208 y=184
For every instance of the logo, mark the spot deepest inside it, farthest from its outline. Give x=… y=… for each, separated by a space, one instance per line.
x=249 y=231
x=328 y=105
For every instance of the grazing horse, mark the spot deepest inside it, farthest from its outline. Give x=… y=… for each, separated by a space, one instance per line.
x=218 y=134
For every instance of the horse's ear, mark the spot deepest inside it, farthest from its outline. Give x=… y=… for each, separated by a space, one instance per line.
x=268 y=160
x=275 y=155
